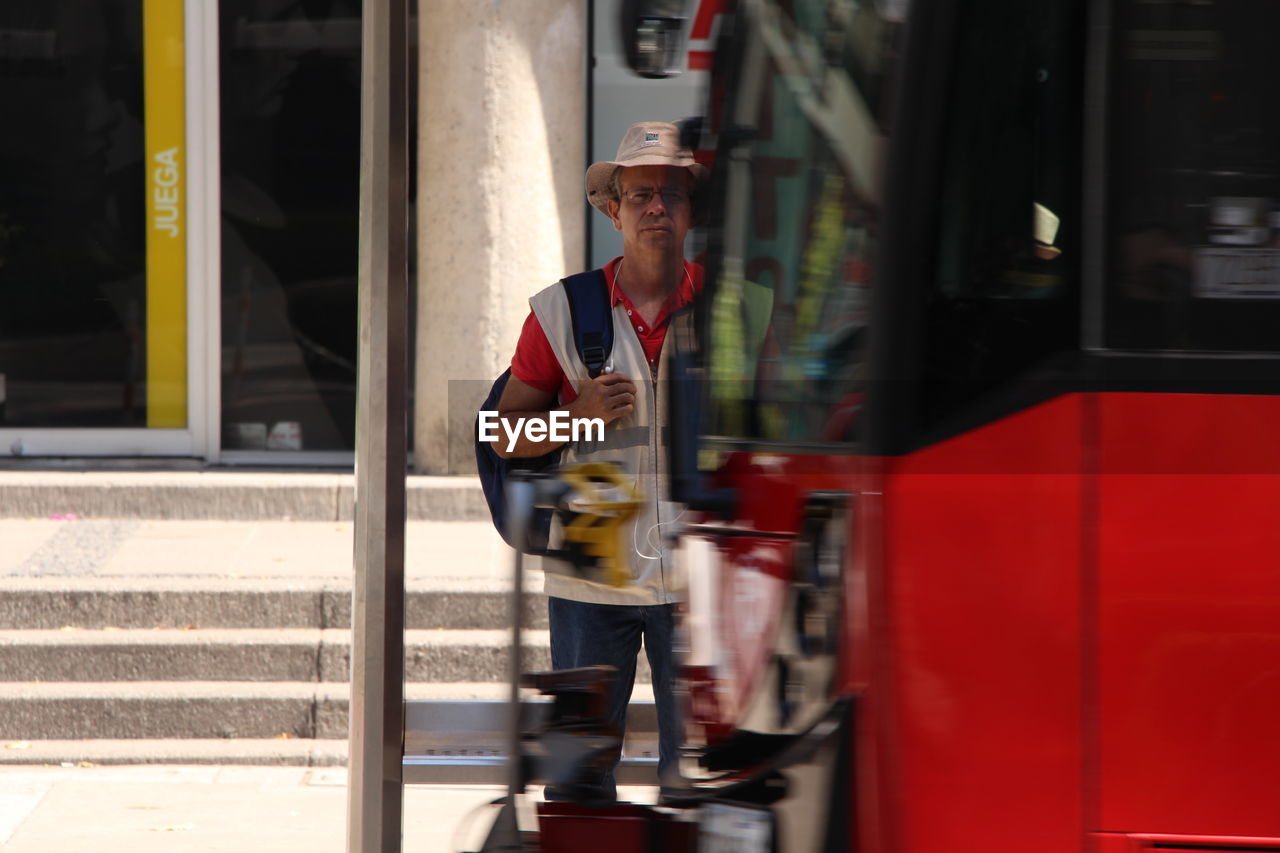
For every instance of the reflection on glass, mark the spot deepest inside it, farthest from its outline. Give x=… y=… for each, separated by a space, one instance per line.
x=290 y=215
x=1195 y=178
x=789 y=307
x=72 y=215
x=1002 y=300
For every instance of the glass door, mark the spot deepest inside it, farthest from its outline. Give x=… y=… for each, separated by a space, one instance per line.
x=103 y=183
x=289 y=113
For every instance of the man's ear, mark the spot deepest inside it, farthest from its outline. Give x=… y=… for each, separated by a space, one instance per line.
x=611 y=207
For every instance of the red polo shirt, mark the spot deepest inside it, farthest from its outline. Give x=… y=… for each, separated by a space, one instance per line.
x=536 y=365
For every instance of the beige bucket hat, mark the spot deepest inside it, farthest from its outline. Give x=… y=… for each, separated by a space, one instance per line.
x=646 y=143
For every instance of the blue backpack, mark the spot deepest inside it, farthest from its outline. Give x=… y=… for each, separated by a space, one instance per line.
x=592 y=319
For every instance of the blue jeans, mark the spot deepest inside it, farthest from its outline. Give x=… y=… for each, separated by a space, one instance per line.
x=609 y=634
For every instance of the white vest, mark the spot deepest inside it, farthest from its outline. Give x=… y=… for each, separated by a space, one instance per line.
x=635 y=443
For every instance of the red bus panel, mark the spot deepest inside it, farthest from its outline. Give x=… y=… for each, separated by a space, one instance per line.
x=981 y=610
x=1189 y=614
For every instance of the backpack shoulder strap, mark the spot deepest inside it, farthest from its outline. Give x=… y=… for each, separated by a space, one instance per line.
x=592 y=318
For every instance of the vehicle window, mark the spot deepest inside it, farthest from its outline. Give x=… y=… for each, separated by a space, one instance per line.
x=1003 y=296
x=1194 y=208
x=796 y=244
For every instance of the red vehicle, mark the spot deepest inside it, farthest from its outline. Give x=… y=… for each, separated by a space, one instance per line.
x=986 y=467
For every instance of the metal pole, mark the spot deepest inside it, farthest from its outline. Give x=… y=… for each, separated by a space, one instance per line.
x=589 y=138
x=504 y=835
x=375 y=791
x=520 y=496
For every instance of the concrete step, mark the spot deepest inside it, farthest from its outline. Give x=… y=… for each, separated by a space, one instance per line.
x=296 y=752
x=474 y=766
x=256 y=655
x=175 y=709
x=228 y=495
x=193 y=710
x=168 y=602
x=454 y=734
x=448 y=740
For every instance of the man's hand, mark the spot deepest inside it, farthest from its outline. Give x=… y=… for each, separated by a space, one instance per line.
x=609 y=396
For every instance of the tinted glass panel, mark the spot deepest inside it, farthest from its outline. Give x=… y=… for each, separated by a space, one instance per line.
x=72 y=214
x=1195 y=177
x=290 y=204
x=787 y=333
x=1008 y=251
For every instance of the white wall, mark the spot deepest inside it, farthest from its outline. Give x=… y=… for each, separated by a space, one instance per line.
x=500 y=196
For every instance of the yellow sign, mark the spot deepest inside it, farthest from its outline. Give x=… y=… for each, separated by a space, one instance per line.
x=608 y=499
x=165 y=73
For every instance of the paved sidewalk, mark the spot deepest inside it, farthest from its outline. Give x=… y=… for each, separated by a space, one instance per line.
x=246 y=495
x=162 y=809
x=67 y=545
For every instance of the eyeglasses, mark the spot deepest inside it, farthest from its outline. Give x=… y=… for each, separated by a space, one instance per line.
x=644 y=195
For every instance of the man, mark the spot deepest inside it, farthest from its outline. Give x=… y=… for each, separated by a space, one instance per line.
x=647 y=192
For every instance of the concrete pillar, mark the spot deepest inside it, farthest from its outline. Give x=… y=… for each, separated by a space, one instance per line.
x=500 y=197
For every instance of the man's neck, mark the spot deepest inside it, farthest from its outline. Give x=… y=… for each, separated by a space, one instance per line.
x=648 y=279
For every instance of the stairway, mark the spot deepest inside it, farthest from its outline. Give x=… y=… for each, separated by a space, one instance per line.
x=170 y=635
x=247 y=671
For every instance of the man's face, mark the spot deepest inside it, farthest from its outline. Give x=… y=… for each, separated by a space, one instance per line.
x=654 y=212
